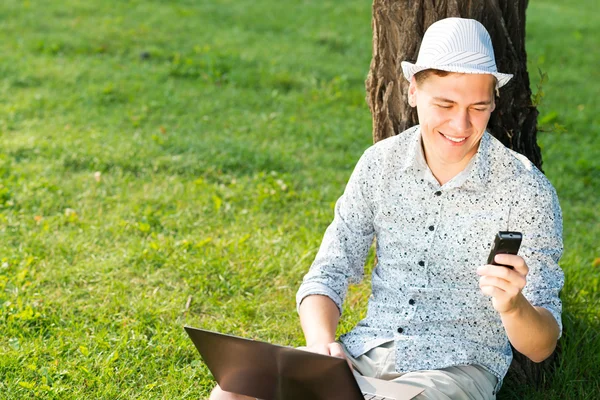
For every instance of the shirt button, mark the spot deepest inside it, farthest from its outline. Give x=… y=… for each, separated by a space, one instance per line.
x=400 y=330
x=422 y=263
x=431 y=228
x=438 y=193
x=411 y=302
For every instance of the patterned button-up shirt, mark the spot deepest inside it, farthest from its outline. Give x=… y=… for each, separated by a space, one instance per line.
x=430 y=241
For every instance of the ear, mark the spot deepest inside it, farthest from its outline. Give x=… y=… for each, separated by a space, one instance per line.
x=412 y=92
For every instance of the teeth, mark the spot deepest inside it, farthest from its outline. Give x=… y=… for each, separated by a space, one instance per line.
x=455 y=140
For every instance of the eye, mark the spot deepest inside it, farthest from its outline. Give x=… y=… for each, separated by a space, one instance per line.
x=443 y=106
x=480 y=109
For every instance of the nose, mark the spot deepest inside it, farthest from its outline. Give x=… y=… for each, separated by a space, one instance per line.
x=460 y=121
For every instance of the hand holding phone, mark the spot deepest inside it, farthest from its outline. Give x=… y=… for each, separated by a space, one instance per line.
x=505 y=243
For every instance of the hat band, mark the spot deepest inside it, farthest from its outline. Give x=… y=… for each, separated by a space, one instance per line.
x=473 y=60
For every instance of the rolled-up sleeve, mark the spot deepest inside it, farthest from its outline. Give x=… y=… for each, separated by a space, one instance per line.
x=345 y=246
x=540 y=219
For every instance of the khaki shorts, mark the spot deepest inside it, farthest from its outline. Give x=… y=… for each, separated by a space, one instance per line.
x=458 y=382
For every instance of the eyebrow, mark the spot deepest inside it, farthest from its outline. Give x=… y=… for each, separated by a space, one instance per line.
x=479 y=103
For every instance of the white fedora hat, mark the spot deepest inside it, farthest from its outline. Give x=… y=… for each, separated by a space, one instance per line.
x=456 y=45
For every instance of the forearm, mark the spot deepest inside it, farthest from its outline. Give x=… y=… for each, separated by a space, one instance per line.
x=319 y=317
x=532 y=331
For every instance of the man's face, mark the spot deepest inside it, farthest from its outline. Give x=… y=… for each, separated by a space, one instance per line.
x=453 y=113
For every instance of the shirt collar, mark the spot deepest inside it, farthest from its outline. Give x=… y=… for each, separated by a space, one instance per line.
x=478 y=170
x=413 y=157
x=475 y=175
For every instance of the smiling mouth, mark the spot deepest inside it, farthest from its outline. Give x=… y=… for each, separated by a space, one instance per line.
x=452 y=139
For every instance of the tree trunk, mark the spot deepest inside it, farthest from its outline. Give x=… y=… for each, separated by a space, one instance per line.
x=398 y=27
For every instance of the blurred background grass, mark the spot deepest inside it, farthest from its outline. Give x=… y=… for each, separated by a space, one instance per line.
x=164 y=163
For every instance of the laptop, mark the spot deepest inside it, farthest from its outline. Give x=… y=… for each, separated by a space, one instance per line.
x=269 y=372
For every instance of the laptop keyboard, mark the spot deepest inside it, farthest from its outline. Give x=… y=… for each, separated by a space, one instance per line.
x=370 y=396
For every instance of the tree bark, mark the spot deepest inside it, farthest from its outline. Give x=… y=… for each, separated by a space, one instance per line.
x=398 y=27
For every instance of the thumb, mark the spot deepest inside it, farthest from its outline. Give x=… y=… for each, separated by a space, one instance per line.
x=335 y=349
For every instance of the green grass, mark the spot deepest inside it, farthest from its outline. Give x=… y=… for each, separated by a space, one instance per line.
x=158 y=154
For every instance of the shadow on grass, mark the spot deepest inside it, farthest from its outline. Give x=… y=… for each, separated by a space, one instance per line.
x=579 y=356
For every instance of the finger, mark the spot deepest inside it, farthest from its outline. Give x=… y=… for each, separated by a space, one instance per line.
x=506 y=286
x=317 y=348
x=493 y=291
x=515 y=261
x=500 y=299
x=512 y=276
x=336 y=350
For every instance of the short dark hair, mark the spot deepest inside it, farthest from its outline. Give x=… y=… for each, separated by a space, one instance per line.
x=422 y=76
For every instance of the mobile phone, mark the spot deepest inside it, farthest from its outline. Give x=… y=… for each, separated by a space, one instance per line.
x=505 y=243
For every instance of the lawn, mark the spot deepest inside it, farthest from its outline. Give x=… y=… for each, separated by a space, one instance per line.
x=170 y=163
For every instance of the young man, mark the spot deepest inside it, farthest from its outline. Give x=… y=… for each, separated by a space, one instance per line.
x=435 y=196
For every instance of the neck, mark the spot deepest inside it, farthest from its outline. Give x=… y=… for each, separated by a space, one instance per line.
x=444 y=172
